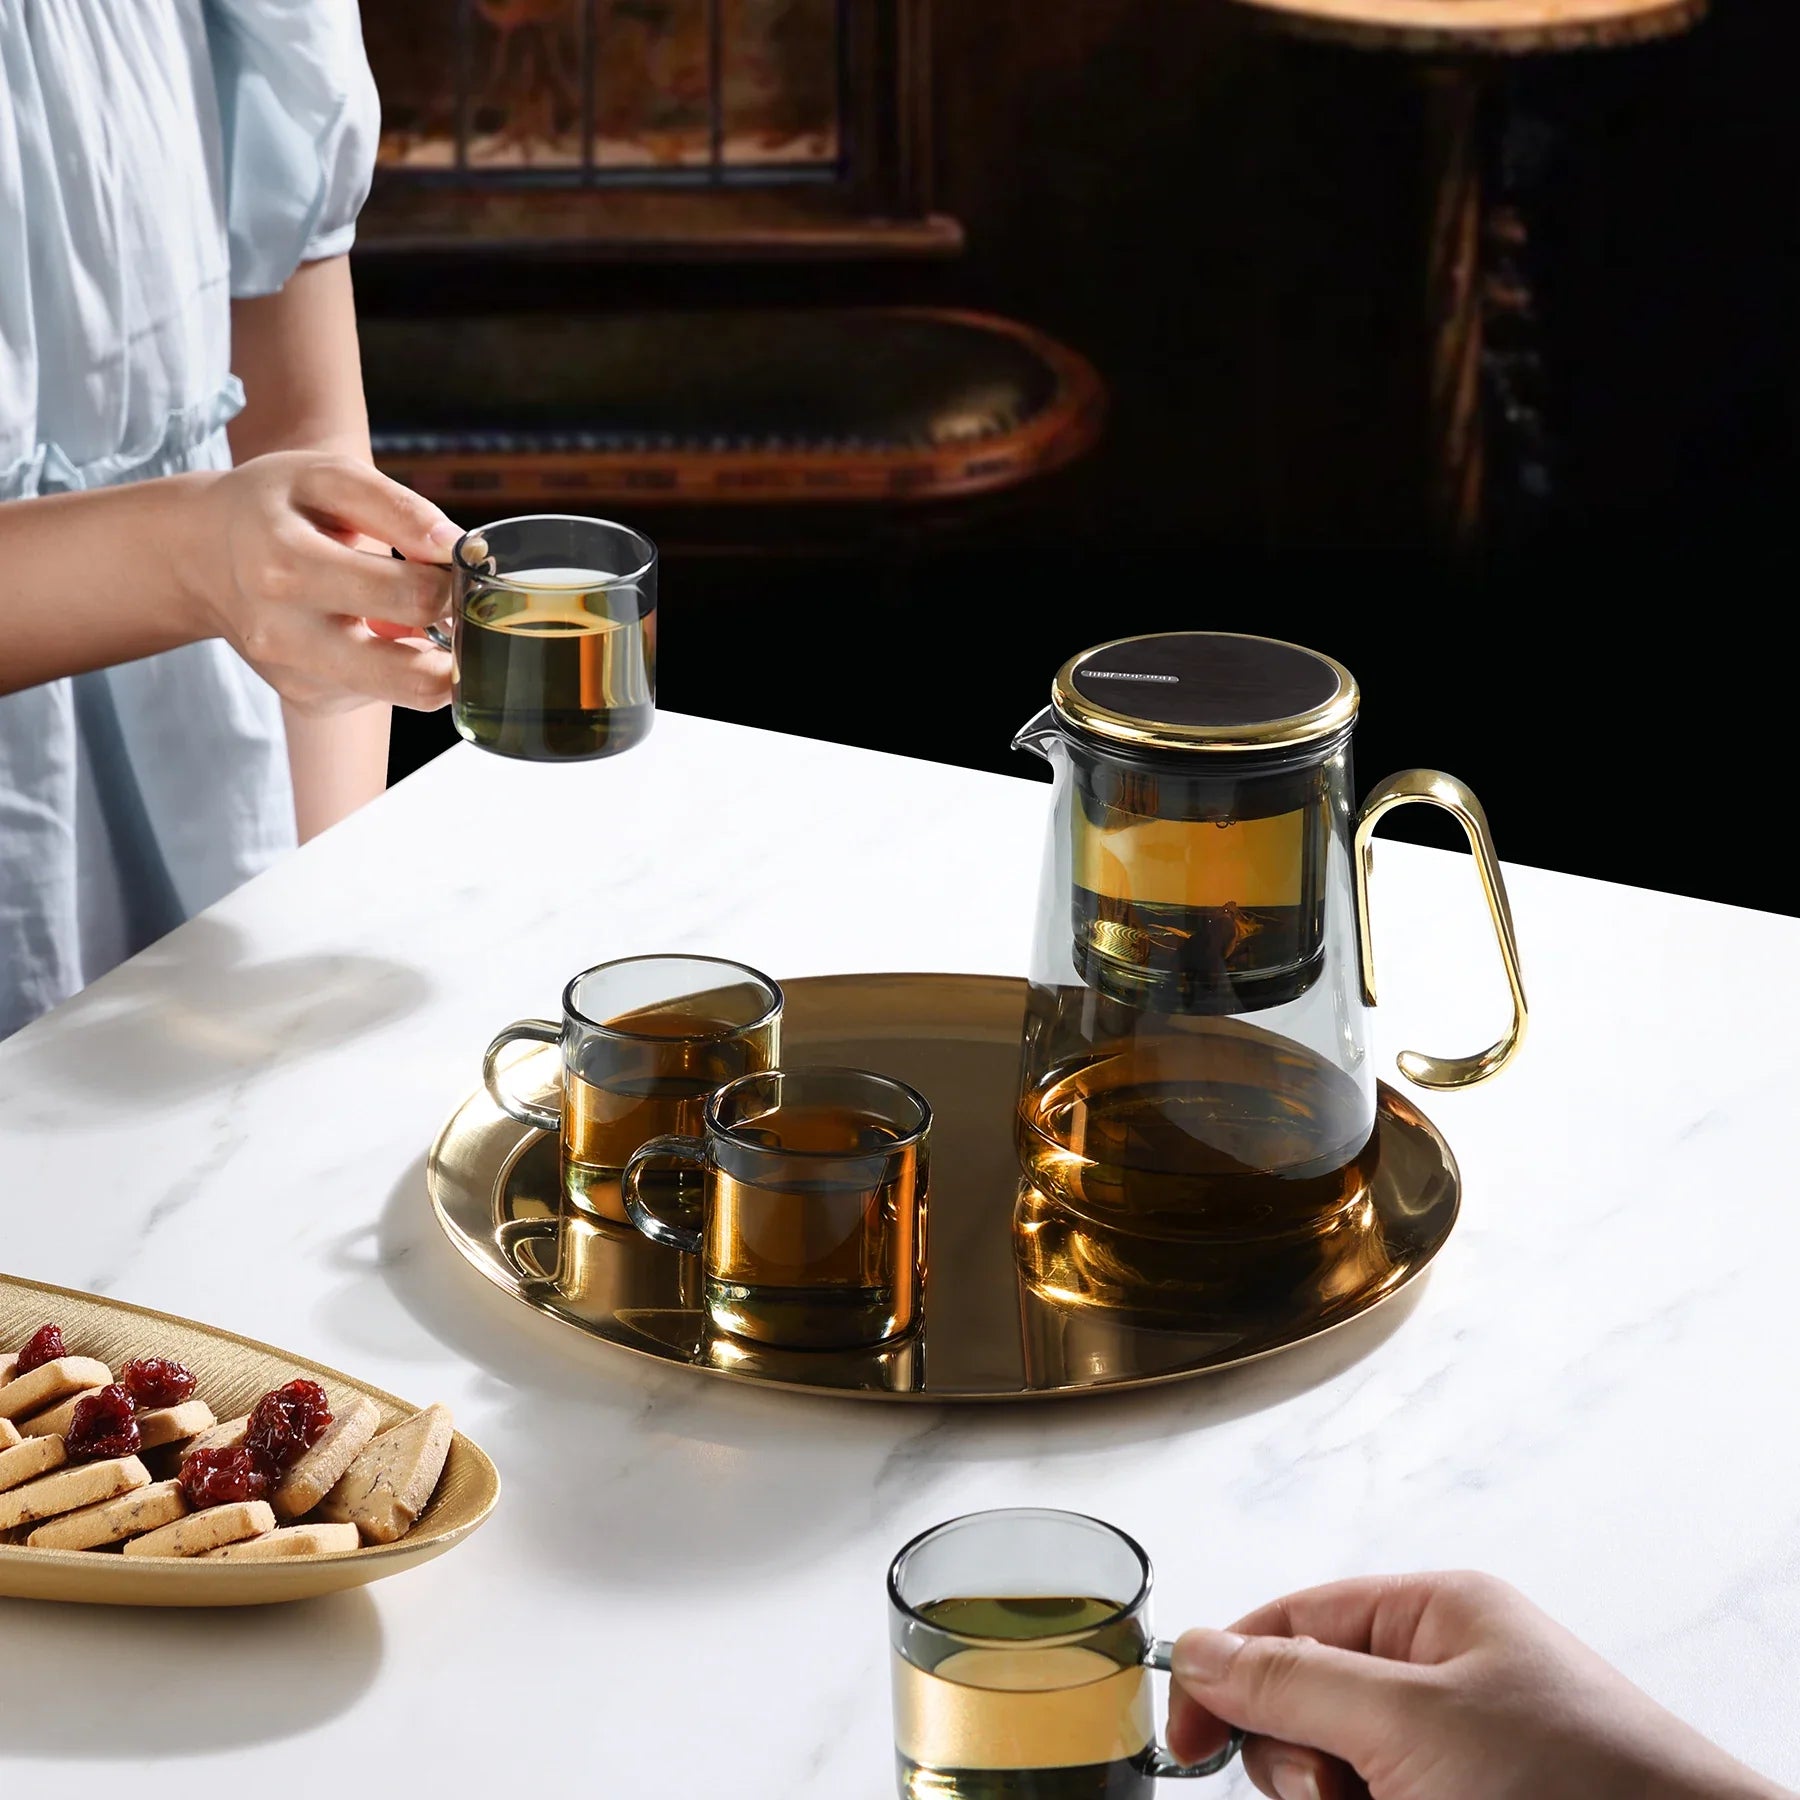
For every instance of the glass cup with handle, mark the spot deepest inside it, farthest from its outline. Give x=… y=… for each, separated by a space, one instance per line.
x=553 y=637
x=645 y=1041
x=1021 y=1653
x=813 y=1228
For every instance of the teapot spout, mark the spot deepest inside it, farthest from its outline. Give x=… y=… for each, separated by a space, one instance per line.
x=1038 y=734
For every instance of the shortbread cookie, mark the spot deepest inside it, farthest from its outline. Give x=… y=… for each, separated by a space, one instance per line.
x=8 y=1363
x=170 y=1424
x=203 y=1531
x=9 y=1434
x=290 y=1540
x=83 y=1485
x=48 y=1383
x=55 y=1422
x=390 y=1484
x=226 y=1435
x=323 y=1466
x=28 y=1460
x=128 y=1516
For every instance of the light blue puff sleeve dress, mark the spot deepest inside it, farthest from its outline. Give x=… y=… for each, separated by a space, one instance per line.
x=157 y=159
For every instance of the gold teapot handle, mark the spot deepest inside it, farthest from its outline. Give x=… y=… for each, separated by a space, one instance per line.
x=1438 y=789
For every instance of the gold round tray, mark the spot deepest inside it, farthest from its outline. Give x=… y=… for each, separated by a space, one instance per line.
x=990 y=1331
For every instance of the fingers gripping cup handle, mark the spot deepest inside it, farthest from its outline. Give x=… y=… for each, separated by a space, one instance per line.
x=527 y=1112
x=668 y=1149
x=434 y=631
x=1156 y=1759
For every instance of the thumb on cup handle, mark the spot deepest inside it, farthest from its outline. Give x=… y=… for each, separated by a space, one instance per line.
x=1293 y=1689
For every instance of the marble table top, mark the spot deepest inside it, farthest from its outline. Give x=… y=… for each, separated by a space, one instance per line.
x=681 y=1592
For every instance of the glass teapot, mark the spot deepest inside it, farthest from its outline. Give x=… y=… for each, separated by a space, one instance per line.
x=1195 y=1060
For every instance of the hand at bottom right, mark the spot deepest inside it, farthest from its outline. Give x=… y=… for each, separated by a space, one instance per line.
x=1434 y=1687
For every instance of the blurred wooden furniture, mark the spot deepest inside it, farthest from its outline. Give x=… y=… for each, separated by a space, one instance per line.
x=608 y=139
x=640 y=129
x=1479 y=302
x=741 y=409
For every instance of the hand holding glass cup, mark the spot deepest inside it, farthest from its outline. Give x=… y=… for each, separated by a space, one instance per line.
x=1021 y=1658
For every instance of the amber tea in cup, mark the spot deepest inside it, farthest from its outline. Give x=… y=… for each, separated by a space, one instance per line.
x=554 y=638
x=813 y=1226
x=645 y=1042
x=1021 y=1652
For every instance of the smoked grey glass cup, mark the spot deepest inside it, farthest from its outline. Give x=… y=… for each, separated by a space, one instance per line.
x=812 y=1235
x=645 y=1041
x=553 y=637
x=1021 y=1652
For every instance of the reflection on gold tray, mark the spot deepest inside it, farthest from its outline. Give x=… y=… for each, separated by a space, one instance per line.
x=991 y=1331
x=234 y=1372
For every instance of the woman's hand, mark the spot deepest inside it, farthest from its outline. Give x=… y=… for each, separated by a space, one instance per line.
x=1434 y=1687
x=275 y=572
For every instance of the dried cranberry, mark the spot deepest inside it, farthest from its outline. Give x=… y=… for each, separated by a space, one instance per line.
x=214 y=1477
x=45 y=1345
x=285 y=1423
x=157 y=1381
x=102 y=1426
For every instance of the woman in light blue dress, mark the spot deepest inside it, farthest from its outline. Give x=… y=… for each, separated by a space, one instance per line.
x=196 y=660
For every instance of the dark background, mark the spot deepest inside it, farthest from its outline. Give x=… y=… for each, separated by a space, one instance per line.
x=1231 y=227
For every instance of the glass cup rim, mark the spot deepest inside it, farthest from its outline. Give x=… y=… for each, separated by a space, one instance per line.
x=769 y=984
x=464 y=566
x=1123 y=1610
x=718 y=1128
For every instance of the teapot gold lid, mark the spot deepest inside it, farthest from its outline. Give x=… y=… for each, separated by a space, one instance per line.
x=1205 y=690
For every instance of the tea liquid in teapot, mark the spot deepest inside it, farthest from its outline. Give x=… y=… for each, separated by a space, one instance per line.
x=1197 y=1132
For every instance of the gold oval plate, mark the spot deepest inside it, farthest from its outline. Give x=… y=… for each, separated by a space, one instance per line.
x=995 y=1327
x=233 y=1372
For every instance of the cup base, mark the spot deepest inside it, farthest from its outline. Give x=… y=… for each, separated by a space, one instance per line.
x=545 y=736
x=806 y=1318
x=1124 y=1779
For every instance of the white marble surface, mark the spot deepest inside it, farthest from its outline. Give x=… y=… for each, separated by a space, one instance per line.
x=1593 y=1393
